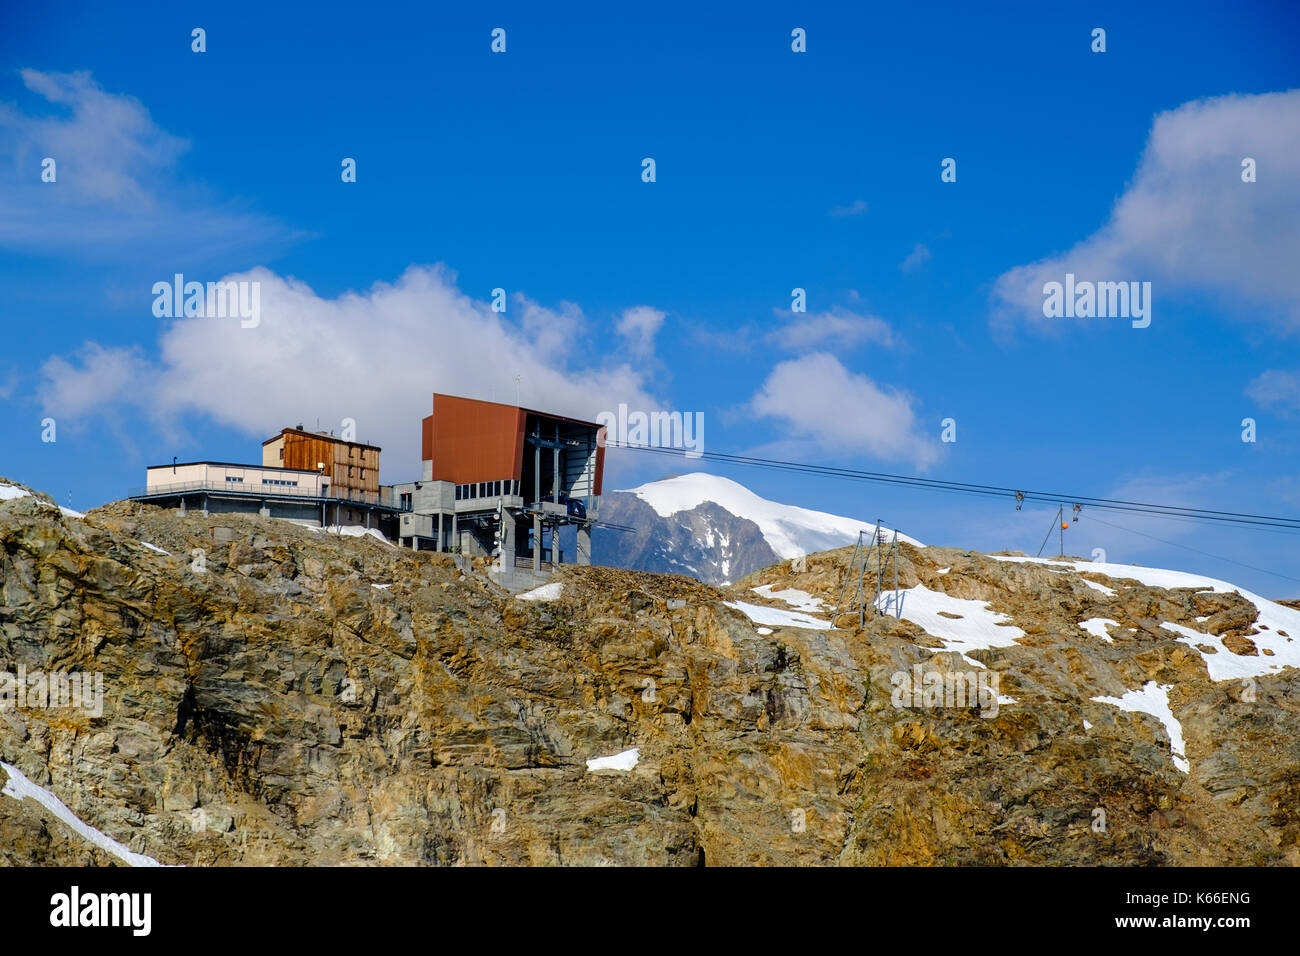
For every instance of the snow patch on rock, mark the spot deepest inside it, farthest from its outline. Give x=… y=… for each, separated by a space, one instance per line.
x=624 y=761
x=975 y=628
x=779 y=617
x=799 y=600
x=1096 y=626
x=1224 y=664
x=19 y=787
x=1153 y=699
x=547 y=592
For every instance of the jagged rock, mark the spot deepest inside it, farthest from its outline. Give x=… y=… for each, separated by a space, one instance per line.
x=269 y=705
x=706 y=542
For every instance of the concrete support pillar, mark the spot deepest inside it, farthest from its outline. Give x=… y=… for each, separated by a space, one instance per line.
x=265 y=510
x=508 y=534
x=537 y=541
x=584 y=544
x=555 y=468
x=440 y=535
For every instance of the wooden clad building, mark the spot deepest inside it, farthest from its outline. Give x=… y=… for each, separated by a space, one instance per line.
x=352 y=467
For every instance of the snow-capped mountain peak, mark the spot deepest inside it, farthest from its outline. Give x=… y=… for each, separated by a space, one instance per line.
x=788 y=529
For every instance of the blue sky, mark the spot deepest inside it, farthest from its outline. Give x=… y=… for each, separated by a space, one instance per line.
x=774 y=170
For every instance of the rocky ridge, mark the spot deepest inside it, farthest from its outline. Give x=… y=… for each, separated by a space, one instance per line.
x=277 y=695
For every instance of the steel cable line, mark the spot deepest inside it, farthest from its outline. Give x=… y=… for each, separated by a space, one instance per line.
x=1175 y=544
x=1259 y=522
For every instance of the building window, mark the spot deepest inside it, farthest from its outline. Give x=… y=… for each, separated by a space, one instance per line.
x=497 y=492
x=458 y=491
x=233 y=478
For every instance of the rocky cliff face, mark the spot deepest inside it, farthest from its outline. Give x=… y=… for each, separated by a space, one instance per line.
x=274 y=695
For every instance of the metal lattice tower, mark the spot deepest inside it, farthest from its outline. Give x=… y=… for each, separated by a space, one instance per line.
x=882 y=544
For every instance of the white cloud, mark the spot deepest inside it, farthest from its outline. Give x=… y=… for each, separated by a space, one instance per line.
x=1276 y=389
x=106 y=375
x=843 y=413
x=856 y=208
x=116 y=192
x=375 y=356
x=918 y=257
x=639 y=325
x=104 y=149
x=838 y=327
x=1187 y=223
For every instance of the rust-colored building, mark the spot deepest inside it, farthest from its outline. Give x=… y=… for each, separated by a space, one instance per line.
x=466 y=440
x=497 y=478
x=352 y=467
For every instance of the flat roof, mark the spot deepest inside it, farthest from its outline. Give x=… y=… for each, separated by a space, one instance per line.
x=235 y=491
x=232 y=464
x=320 y=436
x=528 y=411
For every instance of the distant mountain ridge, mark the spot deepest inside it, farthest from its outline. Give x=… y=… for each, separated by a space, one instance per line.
x=713 y=529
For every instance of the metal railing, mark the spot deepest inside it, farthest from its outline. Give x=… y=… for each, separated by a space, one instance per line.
x=383 y=498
